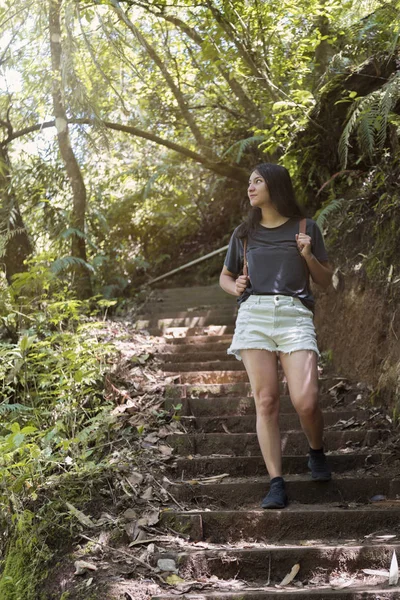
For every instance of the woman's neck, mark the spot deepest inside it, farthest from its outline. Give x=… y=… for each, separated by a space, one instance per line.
x=271 y=217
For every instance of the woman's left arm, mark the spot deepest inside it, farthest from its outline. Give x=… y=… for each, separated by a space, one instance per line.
x=321 y=272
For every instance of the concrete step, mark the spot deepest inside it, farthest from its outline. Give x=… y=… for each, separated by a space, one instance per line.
x=209 y=390
x=241 y=492
x=191 y=321
x=210 y=407
x=236 y=466
x=203 y=291
x=211 y=377
x=204 y=367
x=294 y=523
x=190 y=345
x=178 y=306
x=213 y=312
x=246 y=444
x=201 y=342
x=360 y=592
x=189 y=356
x=169 y=332
x=253 y=564
x=288 y=422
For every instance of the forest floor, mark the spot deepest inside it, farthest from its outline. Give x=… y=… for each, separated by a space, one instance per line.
x=178 y=512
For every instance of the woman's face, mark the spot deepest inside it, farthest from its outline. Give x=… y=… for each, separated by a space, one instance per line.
x=258 y=190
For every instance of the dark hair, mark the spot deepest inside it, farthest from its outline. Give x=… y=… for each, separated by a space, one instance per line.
x=281 y=193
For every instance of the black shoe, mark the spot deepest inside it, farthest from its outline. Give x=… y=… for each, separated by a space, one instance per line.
x=318 y=465
x=276 y=497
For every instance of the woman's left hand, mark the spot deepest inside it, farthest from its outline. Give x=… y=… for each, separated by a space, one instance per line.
x=304 y=244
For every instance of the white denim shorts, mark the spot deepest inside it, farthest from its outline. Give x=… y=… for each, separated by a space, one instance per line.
x=274 y=323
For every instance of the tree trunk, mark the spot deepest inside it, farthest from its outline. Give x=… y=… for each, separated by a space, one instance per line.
x=17 y=243
x=82 y=283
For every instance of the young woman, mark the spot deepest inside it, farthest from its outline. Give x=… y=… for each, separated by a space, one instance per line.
x=275 y=316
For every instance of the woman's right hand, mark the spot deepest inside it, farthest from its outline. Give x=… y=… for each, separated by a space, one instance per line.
x=241 y=284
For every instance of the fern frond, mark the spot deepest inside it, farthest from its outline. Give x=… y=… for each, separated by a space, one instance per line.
x=327 y=211
x=242 y=145
x=344 y=142
x=65 y=262
x=14 y=408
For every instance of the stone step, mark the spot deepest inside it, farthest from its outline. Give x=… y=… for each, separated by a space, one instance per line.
x=183 y=346
x=242 y=492
x=244 y=405
x=360 y=592
x=294 y=523
x=254 y=564
x=178 y=306
x=208 y=390
x=247 y=423
x=191 y=321
x=216 y=313
x=211 y=377
x=293 y=442
x=185 y=331
x=191 y=355
x=236 y=466
x=203 y=291
x=204 y=367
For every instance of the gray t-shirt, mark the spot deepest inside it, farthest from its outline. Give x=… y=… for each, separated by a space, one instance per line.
x=275 y=264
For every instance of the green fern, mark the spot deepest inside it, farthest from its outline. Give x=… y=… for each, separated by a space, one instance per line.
x=327 y=211
x=65 y=262
x=242 y=145
x=369 y=118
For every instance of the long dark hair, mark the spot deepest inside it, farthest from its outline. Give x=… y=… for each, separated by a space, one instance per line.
x=281 y=193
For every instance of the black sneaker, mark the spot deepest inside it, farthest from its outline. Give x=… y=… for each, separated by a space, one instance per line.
x=276 y=497
x=318 y=465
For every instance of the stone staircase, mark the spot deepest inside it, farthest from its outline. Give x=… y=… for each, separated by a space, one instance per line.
x=230 y=548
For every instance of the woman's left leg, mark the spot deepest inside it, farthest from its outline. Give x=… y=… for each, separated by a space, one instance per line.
x=300 y=368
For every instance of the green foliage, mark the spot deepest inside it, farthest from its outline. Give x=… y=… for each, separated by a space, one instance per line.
x=322 y=216
x=369 y=117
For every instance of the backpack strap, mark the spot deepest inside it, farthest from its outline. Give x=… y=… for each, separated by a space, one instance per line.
x=245 y=269
x=302 y=225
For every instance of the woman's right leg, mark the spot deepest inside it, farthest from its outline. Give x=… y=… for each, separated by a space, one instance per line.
x=262 y=369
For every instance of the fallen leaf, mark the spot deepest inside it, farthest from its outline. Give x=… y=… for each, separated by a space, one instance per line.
x=174 y=579
x=82 y=518
x=165 y=450
x=135 y=478
x=147 y=494
x=81 y=567
x=290 y=576
x=224 y=427
x=394 y=570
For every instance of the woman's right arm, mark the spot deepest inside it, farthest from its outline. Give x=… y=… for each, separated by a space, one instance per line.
x=232 y=284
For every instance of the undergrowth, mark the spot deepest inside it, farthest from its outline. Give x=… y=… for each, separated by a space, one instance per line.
x=59 y=431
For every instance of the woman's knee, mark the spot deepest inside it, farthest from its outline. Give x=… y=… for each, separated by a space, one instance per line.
x=307 y=406
x=267 y=403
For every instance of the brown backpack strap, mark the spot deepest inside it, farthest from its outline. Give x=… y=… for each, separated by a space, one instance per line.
x=302 y=225
x=245 y=269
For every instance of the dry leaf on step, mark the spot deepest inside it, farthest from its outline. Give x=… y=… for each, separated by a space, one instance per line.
x=290 y=576
x=148 y=494
x=81 y=567
x=224 y=427
x=82 y=518
x=394 y=570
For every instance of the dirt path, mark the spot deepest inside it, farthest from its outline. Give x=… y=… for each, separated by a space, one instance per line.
x=229 y=548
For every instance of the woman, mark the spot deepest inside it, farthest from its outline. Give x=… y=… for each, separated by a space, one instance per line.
x=275 y=316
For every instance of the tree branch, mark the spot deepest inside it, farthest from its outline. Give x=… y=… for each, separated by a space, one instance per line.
x=221 y=168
